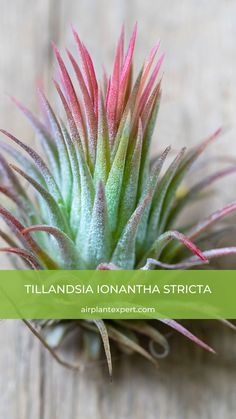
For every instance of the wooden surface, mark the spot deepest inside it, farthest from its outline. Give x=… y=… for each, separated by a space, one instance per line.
x=199 y=95
x=189 y=384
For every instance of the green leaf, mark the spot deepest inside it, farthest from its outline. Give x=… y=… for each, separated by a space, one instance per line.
x=65 y=167
x=114 y=181
x=99 y=237
x=147 y=136
x=159 y=197
x=102 y=165
x=129 y=109
x=201 y=227
x=75 y=201
x=45 y=138
x=151 y=184
x=195 y=192
x=128 y=199
x=161 y=242
x=86 y=203
x=48 y=177
x=57 y=218
x=180 y=173
x=29 y=167
x=124 y=253
x=69 y=258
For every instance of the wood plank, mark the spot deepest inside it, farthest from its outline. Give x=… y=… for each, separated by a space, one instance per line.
x=190 y=383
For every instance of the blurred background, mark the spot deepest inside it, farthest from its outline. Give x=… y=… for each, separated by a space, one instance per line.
x=199 y=95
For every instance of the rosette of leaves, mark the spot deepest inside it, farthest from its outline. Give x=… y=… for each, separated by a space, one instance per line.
x=96 y=199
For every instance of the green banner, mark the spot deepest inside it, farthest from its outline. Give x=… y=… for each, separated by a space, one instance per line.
x=199 y=294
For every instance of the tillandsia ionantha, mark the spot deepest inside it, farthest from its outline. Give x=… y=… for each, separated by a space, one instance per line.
x=100 y=201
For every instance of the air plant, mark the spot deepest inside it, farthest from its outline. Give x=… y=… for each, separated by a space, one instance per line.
x=100 y=201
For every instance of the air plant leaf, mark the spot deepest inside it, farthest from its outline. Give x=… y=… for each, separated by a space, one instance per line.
x=130 y=184
x=56 y=216
x=151 y=183
x=65 y=168
x=23 y=162
x=24 y=255
x=7 y=173
x=102 y=164
x=124 y=340
x=99 y=235
x=7 y=239
x=159 y=197
x=124 y=253
x=192 y=261
x=105 y=338
x=195 y=191
x=49 y=180
x=44 y=136
x=114 y=181
x=29 y=243
x=69 y=256
x=203 y=225
x=181 y=329
x=184 y=167
x=151 y=332
x=155 y=251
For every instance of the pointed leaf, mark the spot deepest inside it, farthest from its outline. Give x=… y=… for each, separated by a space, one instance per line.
x=87 y=65
x=203 y=225
x=102 y=165
x=23 y=254
x=159 y=197
x=126 y=71
x=55 y=213
x=8 y=239
x=150 y=121
x=27 y=241
x=195 y=190
x=113 y=93
x=49 y=179
x=130 y=184
x=114 y=181
x=105 y=338
x=186 y=163
x=16 y=198
x=181 y=329
x=142 y=327
x=129 y=109
x=11 y=178
x=151 y=184
x=44 y=137
x=99 y=237
x=129 y=343
x=192 y=261
x=65 y=168
x=30 y=168
x=162 y=241
x=124 y=253
x=69 y=258
x=70 y=91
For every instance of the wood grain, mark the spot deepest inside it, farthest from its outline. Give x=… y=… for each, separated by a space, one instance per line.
x=190 y=383
x=199 y=94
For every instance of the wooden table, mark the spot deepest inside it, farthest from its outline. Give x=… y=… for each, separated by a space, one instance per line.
x=190 y=383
